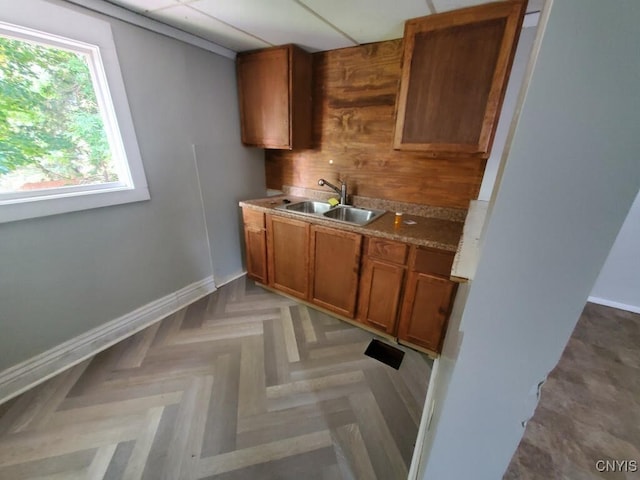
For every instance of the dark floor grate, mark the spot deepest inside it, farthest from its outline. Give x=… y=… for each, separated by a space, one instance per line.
x=385 y=353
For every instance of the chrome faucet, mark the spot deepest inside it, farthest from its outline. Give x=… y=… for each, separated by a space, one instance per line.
x=342 y=191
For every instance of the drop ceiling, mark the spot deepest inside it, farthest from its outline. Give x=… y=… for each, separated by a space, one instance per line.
x=315 y=25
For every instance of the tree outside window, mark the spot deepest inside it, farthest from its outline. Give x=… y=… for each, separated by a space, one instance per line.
x=52 y=131
x=67 y=137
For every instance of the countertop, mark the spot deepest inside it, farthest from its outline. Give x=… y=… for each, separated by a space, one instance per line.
x=427 y=231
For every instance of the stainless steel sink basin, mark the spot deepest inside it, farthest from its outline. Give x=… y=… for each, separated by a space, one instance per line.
x=359 y=216
x=308 y=207
x=340 y=213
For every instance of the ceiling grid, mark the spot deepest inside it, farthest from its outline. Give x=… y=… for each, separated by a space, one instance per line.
x=315 y=25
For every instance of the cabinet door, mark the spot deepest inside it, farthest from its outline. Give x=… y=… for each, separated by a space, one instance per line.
x=454 y=76
x=335 y=262
x=380 y=290
x=288 y=255
x=274 y=91
x=263 y=88
x=425 y=310
x=256 y=252
x=255 y=242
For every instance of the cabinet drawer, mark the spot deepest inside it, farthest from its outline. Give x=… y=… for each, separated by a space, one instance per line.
x=436 y=262
x=253 y=218
x=387 y=250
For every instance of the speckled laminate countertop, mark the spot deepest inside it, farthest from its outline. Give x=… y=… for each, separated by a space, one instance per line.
x=427 y=231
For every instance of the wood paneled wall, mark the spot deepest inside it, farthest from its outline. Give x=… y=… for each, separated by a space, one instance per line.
x=354 y=115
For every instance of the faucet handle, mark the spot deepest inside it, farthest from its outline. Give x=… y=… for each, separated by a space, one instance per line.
x=343 y=192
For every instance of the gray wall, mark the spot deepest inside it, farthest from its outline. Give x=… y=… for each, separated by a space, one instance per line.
x=619 y=281
x=228 y=172
x=520 y=61
x=571 y=176
x=63 y=275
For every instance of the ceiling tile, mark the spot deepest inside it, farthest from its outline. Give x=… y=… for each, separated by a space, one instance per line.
x=276 y=21
x=369 y=20
x=143 y=5
x=447 y=5
x=535 y=5
x=186 y=18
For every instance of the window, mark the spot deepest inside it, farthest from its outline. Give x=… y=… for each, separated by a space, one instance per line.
x=53 y=128
x=62 y=145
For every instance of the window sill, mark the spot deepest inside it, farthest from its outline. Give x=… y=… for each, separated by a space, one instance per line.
x=65 y=203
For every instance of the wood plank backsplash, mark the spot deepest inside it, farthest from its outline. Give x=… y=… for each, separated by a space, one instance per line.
x=354 y=116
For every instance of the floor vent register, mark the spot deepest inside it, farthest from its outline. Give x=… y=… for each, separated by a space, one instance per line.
x=385 y=353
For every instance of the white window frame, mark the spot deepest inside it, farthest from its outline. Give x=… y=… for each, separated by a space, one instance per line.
x=69 y=29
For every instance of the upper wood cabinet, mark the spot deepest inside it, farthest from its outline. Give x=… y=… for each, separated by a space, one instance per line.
x=274 y=92
x=454 y=75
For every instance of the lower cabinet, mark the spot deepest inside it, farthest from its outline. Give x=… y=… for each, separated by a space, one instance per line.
x=335 y=266
x=380 y=293
x=428 y=298
x=401 y=290
x=288 y=255
x=255 y=240
x=381 y=284
x=425 y=310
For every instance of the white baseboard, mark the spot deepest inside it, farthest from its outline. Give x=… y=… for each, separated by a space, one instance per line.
x=229 y=278
x=27 y=374
x=609 y=303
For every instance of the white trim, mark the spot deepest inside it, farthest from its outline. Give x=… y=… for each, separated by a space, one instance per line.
x=611 y=303
x=147 y=23
x=86 y=200
x=466 y=260
x=230 y=278
x=70 y=27
x=25 y=375
x=417 y=460
x=543 y=20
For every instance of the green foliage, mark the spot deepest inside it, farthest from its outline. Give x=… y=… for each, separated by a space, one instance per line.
x=49 y=115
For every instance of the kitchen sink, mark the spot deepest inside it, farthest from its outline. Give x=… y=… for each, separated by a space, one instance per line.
x=340 y=213
x=308 y=207
x=359 y=216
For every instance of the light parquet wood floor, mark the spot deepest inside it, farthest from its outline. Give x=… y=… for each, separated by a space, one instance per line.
x=243 y=384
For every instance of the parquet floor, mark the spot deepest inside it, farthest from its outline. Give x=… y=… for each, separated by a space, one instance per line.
x=243 y=384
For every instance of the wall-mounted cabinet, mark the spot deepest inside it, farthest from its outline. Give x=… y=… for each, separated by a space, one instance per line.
x=454 y=76
x=274 y=92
